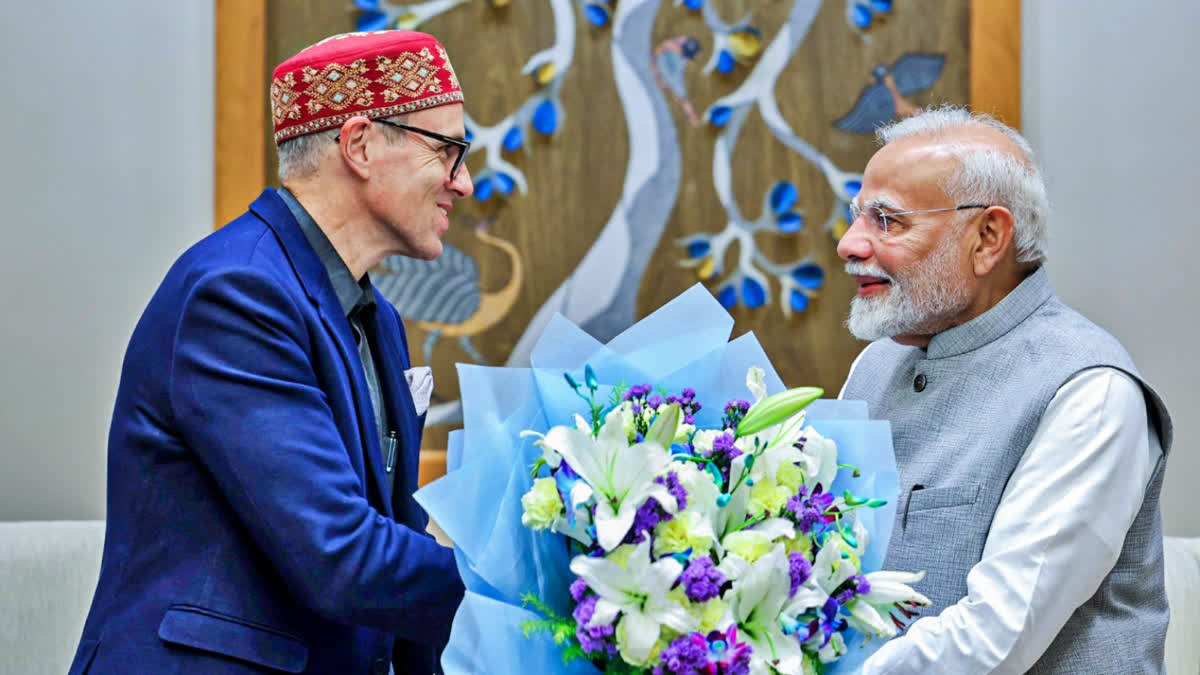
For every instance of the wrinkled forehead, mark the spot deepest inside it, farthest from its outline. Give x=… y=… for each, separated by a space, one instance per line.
x=908 y=174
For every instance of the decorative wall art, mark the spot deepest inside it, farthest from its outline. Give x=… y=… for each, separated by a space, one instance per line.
x=623 y=151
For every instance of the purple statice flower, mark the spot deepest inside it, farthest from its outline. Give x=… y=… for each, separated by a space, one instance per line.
x=686 y=655
x=654 y=401
x=592 y=638
x=689 y=419
x=701 y=580
x=855 y=585
x=800 y=569
x=861 y=585
x=637 y=408
x=637 y=391
x=671 y=480
x=648 y=515
x=724 y=449
x=735 y=410
x=809 y=510
x=578 y=588
x=689 y=394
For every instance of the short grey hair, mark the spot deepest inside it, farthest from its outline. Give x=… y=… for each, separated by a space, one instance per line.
x=988 y=175
x=299 y=157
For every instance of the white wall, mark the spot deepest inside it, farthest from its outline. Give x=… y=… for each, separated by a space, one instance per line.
x=108 y=128
x=1110 y=100
x=108 y=120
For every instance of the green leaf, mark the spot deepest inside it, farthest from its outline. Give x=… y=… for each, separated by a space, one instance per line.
x=776 y=408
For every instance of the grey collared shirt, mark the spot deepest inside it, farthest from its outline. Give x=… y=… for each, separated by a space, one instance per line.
x=356 y=298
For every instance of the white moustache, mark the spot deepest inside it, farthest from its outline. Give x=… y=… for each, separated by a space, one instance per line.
x=864 y=270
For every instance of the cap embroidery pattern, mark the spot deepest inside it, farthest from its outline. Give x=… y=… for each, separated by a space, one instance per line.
x=337 y=86
x=409 y=75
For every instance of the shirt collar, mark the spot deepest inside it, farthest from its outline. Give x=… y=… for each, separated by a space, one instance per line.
x=352 y=295
x=1013 y=309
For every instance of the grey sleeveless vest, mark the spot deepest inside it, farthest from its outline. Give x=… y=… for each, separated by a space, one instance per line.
x=962 y=412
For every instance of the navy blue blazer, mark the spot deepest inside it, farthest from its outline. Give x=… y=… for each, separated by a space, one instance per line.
x=247 y=530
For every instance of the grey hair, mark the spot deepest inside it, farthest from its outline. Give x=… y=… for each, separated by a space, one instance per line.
x=299 y=157
x=988 y=175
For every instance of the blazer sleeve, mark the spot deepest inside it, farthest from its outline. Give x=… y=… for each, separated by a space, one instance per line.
x=247 y=401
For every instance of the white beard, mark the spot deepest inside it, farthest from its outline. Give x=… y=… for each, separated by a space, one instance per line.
x=920 y=301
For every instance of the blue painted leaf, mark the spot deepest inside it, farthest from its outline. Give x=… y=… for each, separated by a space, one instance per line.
x=727 y=297
x=597 y=14
x=720 y=115
x=809 y=275
x=724 y=61
x=698 y=249
x=861 y=15
x=367 y=5
x=368 y=21
x=693 y=5
x=799 y=301
x=849 y=215
x=503 y=183
x=753 y=294
x=483 y=189
x=514 y=139
x=881 y=5
x=783 y=197
x=545 y=117
x=852 y=187
x=469 y=135
x=790 y=222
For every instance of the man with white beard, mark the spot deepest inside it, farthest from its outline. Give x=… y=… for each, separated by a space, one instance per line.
x=1030 y=451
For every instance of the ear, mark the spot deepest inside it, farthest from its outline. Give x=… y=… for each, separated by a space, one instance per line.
x=353 y=148
x=995 y=235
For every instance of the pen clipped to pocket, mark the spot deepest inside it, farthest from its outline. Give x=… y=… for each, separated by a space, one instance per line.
x=389 y=453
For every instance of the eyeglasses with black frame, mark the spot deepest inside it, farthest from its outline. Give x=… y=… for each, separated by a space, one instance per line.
x=458 y=144
x=879 y=218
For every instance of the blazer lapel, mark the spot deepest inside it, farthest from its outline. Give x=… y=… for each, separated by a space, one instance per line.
x=401 y=409
x=315 y=280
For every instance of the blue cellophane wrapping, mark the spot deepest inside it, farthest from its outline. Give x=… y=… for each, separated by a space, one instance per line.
x=478 y=502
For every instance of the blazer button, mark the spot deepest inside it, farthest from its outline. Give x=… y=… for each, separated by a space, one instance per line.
x=380 y=667
x=919 y=383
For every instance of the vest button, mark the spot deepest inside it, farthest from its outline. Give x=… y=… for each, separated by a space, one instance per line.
x=919 y=383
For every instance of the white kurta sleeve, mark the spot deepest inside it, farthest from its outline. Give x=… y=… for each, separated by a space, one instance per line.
x=1056 y=534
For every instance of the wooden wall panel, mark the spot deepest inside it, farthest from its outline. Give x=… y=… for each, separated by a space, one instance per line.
x=576 y=176
x=240 y=96
x=996 y=59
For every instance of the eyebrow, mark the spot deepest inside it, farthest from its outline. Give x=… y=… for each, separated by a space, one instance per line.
x=883 y=203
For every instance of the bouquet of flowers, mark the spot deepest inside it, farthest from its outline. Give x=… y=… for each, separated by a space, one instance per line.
x=603 y=527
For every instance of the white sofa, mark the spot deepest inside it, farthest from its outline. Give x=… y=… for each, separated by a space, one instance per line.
x=48 y=572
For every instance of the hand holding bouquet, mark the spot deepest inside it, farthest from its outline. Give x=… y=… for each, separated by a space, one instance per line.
x=697 y=525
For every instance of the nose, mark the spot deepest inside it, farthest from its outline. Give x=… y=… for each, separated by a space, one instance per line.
x=462 y=185
x=855 y=245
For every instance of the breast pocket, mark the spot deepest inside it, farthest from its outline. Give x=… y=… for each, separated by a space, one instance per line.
x=948 y=497
x=233 y=637
x=942 y=535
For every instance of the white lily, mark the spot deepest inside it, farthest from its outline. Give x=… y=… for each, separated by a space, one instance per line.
x=639 y=592
x=819 y=459
x=868 y=613
x=755 y=602
x=621 y=476
x=754 y=382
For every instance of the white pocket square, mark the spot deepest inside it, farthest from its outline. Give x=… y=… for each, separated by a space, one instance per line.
x=420 y=383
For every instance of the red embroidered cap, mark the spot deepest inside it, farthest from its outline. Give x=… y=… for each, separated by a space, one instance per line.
x=378 y=74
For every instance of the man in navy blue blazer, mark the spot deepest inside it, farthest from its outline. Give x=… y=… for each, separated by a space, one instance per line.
x=263 y=449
